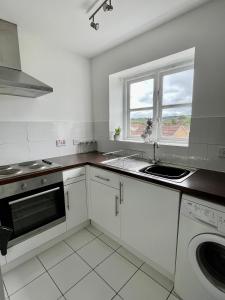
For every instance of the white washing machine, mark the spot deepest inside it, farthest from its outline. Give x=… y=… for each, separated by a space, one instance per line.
x=200 y=269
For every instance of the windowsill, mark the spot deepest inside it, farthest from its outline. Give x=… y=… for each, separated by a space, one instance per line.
x=143 y=143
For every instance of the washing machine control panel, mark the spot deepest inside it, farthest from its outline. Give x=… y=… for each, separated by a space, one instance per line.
x=202 y=213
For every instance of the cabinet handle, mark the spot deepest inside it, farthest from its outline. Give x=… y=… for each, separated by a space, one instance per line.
x=102 y=178
x=121 y=193
x=70 y=178
x=68 y=200
x=116 y=206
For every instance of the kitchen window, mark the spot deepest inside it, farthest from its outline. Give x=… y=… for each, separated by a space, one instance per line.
x=165 y=96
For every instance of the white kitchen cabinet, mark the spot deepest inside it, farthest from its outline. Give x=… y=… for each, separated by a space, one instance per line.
x=149 y=221
x=2 y=260
x=75 y=204
x=105 y=207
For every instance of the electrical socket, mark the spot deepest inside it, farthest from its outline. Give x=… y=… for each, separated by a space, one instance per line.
x=60 y=143
x=222 y=152
x=76 y=142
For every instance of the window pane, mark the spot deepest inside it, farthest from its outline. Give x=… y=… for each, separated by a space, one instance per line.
x=141 y=94
x=178 y=87
x=138 y=121
x=176 y=122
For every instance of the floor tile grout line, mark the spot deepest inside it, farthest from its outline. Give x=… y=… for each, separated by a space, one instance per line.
x=95 y=237
x=105 y=282
x=126 y=282
x=139 y=268
x=169 y=295
x=48 y=269
x=89 y=272
x=76 y=251
x=26 y=284
x=51 y=277
x=93 y=269
x=114 y=251
x=7 y=294
x=108 y=244
x=128 y=259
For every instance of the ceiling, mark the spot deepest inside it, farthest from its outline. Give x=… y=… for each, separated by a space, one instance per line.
x=66 y=22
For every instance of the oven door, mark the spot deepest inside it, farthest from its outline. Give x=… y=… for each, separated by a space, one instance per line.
x=33 y=212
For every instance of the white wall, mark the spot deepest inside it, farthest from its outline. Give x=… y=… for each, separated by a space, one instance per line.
x=203 y=29
x=29 y=127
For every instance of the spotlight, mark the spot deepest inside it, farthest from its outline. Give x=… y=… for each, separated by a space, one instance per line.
x=107 y=7
x=94 y=25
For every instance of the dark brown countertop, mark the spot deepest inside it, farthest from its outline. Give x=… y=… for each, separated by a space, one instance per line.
x=209 y=185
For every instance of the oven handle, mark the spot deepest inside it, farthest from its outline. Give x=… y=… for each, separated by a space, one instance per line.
x=33 y=196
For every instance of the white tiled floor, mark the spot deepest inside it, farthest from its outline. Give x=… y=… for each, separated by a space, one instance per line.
x=88 y=266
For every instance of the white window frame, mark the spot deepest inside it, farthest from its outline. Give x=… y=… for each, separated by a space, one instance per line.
x=129 y=110
x=157 y=108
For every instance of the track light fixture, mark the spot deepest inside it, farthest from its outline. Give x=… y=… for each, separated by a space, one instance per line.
x=94 y=25
x=107 y=7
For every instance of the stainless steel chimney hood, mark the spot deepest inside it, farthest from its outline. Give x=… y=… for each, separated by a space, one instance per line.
x=12 y=80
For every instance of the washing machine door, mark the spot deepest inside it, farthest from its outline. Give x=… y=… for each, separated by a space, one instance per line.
x=207 y=256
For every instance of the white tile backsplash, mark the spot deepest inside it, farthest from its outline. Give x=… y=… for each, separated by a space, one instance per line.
x=216 y=131
x=13 y=132
x=41 y=131
x=199 y=130
x=213 y=160
x=23 y=141
x=13 y=153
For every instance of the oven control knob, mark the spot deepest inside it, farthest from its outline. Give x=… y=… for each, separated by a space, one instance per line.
x=44 y=181
x=23 y=186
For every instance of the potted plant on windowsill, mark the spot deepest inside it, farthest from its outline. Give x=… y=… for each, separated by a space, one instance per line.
x=146 y=135
x=117 y=134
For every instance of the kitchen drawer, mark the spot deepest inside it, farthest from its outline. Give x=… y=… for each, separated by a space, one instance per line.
x=73 y=175
x=105 y=177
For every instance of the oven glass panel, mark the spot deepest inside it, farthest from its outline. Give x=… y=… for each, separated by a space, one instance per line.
x=34 y=211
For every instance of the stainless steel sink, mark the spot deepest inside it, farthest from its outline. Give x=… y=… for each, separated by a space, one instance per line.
x=134 y=161
x=168 y=172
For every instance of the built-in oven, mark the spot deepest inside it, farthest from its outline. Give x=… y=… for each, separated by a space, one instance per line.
x=31 y=206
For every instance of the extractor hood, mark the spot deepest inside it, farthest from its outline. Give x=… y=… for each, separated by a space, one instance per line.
x=13 y=81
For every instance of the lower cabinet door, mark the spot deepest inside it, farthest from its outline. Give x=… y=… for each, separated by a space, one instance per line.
x=76 y=204
x=149 y=221
x=105 y=207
